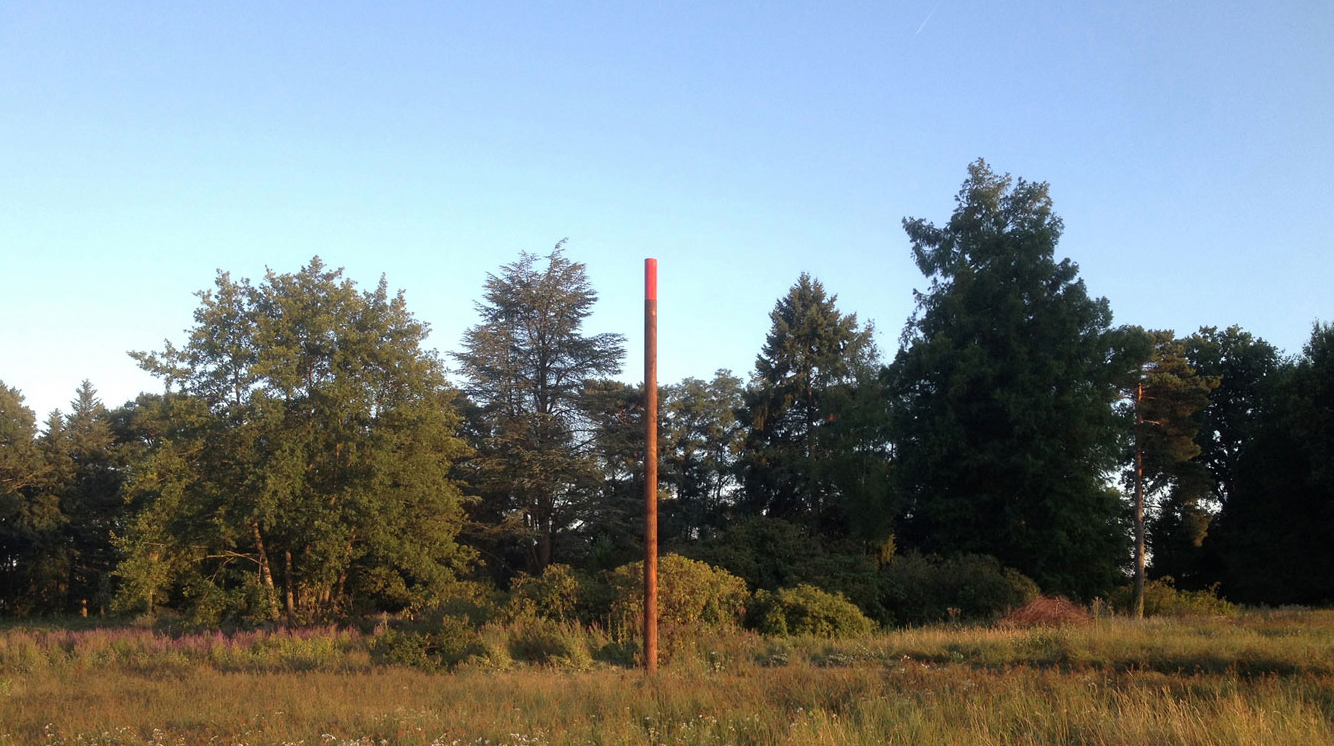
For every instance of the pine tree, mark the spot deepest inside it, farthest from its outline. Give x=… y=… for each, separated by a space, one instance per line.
x=91 y=501
x=1165 y=400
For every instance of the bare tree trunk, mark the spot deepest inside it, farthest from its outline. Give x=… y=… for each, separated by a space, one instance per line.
x=265 y=573
x=544 y=544
x=291 y=593
x=1138 y=603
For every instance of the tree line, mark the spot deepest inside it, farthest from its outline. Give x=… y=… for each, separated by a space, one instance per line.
x=309 y=459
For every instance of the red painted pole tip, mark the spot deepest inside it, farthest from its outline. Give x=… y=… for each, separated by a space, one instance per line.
x=650 y=279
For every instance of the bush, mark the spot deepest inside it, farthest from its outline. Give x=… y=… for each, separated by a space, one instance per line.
x=553 y=595
x=444 y=645
x=1162 y=598
x=930 y=589
x=806 y=610
x=690 y=594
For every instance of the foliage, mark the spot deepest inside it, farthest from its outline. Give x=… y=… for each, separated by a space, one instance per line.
x=1163 y=598
x=770 y=553
x=548 y=642
x=1240 y=410
x=814 y=452
x=921 y=589
x=610 y=528
x=806 y=610
x=692 y=596
x=305 y=455
x=701 y=442
x=1246 y=368
x=1002 y=395
x=526 y=365
x=553 y=595
x=1165 y=400
x=445 y=645
x=32 y=551
x=1277 y=529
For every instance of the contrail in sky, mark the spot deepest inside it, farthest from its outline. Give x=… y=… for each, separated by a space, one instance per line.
x=927 y=19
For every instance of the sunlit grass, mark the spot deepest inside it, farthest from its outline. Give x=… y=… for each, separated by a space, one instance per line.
x=1259 y=679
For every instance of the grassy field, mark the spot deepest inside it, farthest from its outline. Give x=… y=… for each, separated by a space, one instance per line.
x=1262 y=678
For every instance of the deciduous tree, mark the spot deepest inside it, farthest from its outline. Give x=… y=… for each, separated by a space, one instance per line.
x=305 y=459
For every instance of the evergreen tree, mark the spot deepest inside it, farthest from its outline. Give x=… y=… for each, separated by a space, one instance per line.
x=807 y=455
x=303 y=460
x=527 y=364
x=1165 y=400
x=1003 y=395
x=31 y=546
x=91 y=500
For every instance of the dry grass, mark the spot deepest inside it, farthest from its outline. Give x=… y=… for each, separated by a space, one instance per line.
x=1264 y=679
x=1046 y=612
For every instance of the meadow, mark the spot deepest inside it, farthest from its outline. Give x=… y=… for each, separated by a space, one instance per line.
x=1261 y=677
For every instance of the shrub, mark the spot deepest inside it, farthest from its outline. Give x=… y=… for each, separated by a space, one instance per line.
x=553 y=595
x=445 y=644
x=806 y=610
x=691 y=594
x=926 y=589
x=1163 y=598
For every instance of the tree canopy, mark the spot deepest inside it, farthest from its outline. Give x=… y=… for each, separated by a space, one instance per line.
x=307 y=453
x=809 y=454
x=527 y=363
x=1003 y=394
x=307 y=460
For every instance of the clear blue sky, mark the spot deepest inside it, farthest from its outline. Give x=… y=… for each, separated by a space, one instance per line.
x=143 y=146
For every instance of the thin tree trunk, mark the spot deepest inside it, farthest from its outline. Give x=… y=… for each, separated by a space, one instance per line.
x=1138 y=604
x=291 y=595
x=265 y=573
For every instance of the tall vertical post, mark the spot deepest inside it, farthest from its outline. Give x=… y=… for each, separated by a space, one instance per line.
x=651 y=465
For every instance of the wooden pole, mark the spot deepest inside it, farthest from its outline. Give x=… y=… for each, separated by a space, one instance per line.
x=651 y=465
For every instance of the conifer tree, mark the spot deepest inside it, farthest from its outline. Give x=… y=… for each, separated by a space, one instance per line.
x=1002 y=397
x=811 y=455
x=527 y=364
x=1165 y=400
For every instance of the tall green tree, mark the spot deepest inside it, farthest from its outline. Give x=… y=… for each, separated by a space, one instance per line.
x=91 y=500
x=1003 y=395
x=809 y=456
x=1275 y=532
x=701 y=442
x=303 y=466
x=31 y=543
x=1247 y=369
x=527 y=363
x=1165 y=400
x=1240 y=410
